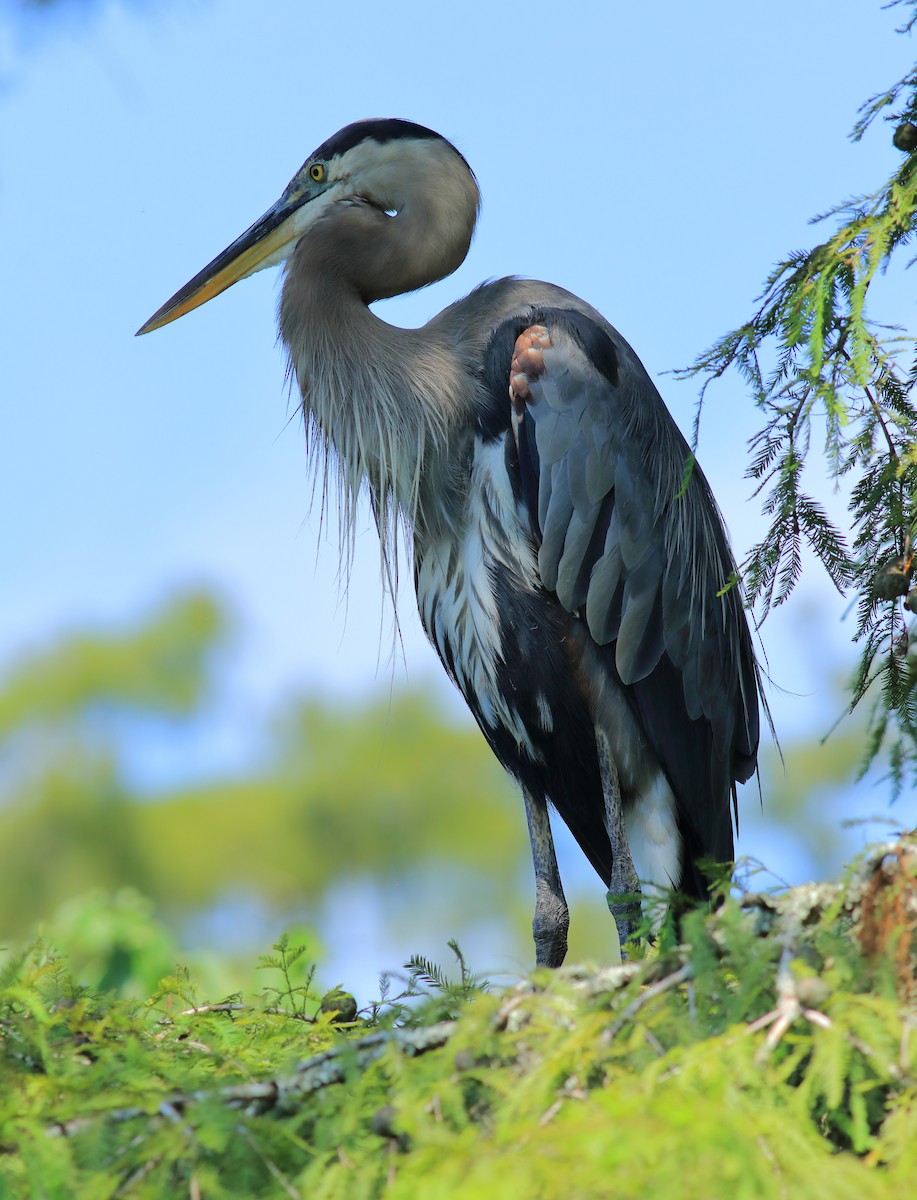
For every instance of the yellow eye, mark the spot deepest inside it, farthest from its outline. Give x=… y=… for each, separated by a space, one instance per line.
x=317 y=172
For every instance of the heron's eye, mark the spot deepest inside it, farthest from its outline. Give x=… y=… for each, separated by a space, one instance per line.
x=317 y=172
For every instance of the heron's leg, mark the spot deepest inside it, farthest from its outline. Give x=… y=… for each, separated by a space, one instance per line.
x=624 y=886
x=552 y=918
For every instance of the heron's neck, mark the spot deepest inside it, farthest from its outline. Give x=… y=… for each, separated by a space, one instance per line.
x=380 y=401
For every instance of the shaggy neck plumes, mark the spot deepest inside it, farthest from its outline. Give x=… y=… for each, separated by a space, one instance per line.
x=378 y=402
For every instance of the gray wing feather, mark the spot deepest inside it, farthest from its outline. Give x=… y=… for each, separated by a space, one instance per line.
x=605 y=594
x=641 y=558
x=600 y=466
x=639 y=637
x=573 y=569
x=555 y=511
x=675 y=613
x=556 y=434
x=583 y=460
x=577 y=459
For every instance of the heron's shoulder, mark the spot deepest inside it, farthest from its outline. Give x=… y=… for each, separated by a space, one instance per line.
x=487 y=321
x=495 y=301
x=490 y=322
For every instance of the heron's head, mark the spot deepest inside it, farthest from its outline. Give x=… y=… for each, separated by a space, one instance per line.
x=385 y=204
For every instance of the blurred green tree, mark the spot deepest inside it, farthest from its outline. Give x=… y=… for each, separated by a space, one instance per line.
x=381 y=793
x=385 y=796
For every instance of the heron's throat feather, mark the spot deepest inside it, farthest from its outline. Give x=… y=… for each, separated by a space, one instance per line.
x=379 y=406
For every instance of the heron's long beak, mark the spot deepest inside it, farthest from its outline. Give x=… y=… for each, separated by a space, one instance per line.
x=269 y=241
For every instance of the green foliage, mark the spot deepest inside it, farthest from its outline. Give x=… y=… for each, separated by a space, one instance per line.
x=770 y=1055
x=113 y=943
x=426 y=973
x=159 y=668
x=388 y=793
x=446 y=995
x=814 y=349
x=376 y=791
x=292 y=995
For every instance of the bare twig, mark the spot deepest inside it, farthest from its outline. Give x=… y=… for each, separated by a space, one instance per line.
x=224 y=1007
x=789 y=1007
x=682 y=975
x=322 y=1070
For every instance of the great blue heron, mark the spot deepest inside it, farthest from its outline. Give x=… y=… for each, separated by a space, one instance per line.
x=571 y=566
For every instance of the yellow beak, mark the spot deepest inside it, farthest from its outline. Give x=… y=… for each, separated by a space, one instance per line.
x=269 y=241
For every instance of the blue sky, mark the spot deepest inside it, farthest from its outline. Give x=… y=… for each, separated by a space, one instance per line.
x=656 y=159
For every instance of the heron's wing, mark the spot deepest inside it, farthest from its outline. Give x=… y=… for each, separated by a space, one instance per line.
x=630 y=540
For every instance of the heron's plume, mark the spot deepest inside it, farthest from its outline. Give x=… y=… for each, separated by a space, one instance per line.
x=377 y=419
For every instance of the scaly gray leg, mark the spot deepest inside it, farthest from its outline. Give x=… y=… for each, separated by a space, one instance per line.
x=552 y=917
x=624 y=886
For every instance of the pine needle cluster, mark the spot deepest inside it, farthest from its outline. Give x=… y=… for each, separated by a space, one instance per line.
x=772 y=1053
x=819 y=365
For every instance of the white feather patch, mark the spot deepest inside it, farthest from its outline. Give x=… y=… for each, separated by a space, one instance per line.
x=458 y=608
x=655 y=843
